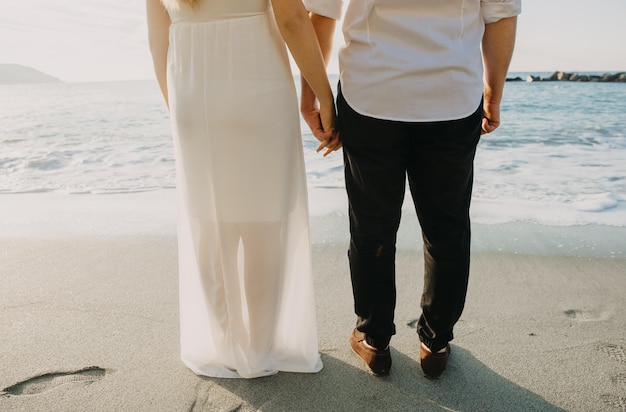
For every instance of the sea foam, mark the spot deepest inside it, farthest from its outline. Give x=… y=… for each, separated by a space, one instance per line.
x=557 y=159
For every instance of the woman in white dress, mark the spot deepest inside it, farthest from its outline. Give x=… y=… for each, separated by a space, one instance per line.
x=246 y=293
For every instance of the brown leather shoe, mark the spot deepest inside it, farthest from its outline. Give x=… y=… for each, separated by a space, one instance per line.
x=378 y=361
x=433 y=364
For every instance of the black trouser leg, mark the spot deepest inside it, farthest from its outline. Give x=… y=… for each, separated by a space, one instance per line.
x=375 y=155
x=440 y=177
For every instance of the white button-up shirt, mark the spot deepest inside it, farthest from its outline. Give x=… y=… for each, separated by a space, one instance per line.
x=413 y=60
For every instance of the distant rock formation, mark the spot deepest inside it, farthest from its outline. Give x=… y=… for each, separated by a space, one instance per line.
x=18 y=74
x=559 y=76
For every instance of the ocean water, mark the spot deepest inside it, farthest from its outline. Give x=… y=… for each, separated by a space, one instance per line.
x=558 y=159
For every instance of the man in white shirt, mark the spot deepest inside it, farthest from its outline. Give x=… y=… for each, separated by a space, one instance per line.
x=420 y=81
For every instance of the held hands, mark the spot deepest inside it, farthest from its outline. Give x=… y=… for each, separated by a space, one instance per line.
x=322 y=122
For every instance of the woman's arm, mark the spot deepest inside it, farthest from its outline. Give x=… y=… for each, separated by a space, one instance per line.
x=158 y=38
x=324 y=28
x=299 y=35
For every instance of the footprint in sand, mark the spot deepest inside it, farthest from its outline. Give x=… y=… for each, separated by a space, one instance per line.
x=615 y=401
x=586 y=315
x=618 y=353
x=619 y=379
x=615 y=351
x=45 y=382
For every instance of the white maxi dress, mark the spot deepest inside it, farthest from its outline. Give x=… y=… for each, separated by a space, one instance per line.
x=247 y=306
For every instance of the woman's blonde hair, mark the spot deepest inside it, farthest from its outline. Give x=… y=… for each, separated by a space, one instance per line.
x=175 y=4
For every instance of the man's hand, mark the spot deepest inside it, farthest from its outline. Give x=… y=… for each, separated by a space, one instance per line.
x=332 y=144
x=491 y=117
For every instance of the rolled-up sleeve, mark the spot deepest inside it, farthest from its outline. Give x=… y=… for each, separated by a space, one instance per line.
x=326 y=8
x=494 y=10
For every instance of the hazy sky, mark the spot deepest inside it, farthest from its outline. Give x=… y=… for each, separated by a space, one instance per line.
x=98 y=40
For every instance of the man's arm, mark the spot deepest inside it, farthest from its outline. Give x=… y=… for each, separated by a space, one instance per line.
x=497 y=48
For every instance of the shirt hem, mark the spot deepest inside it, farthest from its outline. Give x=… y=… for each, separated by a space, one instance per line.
x=392 y=118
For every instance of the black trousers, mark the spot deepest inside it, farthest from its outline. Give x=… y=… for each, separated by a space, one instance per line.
x=438 y=159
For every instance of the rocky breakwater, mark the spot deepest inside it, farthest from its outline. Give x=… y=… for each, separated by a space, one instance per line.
x=559 y=76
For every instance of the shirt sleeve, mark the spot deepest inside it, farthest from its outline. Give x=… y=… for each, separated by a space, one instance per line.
x=494 y=10
x=326 y=8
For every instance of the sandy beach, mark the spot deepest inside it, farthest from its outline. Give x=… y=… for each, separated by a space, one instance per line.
x=89 y=319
